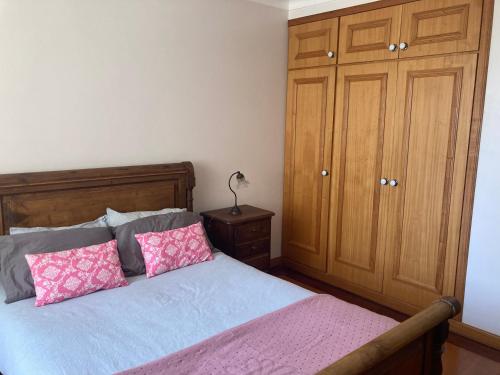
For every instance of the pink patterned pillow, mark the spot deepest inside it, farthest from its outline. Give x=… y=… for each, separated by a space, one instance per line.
x=172 y=249
x=74 y=273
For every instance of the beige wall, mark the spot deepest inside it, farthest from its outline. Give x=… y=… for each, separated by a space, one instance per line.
x=99 y=83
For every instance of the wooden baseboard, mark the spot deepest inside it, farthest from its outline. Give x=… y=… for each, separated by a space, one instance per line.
x=276 y=263
x=372 y=295
x=475 y=334
x=319 y=286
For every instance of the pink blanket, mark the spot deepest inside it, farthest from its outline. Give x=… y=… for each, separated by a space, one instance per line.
x=302 y=338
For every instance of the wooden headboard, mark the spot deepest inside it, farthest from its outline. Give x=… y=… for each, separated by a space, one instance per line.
x=70 y=197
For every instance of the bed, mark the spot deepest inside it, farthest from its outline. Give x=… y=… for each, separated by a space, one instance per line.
x=155 y=324
x=120 y=329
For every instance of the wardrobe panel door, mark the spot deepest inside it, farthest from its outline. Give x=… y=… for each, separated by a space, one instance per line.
x=313 y=44
x=308 y=152
x=429 y=155
x=432 y=27
x=367 y=36
x=364 y=114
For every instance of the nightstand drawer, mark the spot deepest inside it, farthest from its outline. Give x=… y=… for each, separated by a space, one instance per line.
x=252 y=248
x=252 y=231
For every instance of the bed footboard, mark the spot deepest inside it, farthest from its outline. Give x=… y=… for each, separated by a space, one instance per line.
x=413 y=347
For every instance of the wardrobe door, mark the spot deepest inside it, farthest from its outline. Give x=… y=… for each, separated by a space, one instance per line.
x=307 y=163
x=313 y=44
x=370 y=36
x=428 y=161
x=432 y=27
x=364 y=118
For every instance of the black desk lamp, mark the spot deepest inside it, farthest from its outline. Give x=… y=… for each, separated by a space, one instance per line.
x=235 y=210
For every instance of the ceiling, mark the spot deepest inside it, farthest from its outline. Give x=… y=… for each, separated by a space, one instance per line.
x=296 y=4
x=290 y=4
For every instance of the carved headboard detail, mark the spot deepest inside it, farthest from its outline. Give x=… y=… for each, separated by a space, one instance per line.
x=62 y=198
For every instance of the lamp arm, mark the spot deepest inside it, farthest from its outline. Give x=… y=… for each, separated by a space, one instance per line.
x=229 y=184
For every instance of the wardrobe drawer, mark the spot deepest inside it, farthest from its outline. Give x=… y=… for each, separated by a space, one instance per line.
x=430 y=27
x=252 y=231
x=313 y=44
x=370 y=36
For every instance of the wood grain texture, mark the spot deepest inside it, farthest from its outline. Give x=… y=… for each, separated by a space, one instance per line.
x=474 y=144
x=69 y=197
x=347 y=11
x=366 y=36
x=476 y=334
x=434 y=105
x=246 y=237
x=482 y=50
x=308 y=45
x=308 y=141
x=458 y=361
x=248 y=213
x=356 y=194
x=437 y=27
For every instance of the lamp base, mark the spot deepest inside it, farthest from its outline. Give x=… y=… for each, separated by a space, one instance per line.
x=235 y=210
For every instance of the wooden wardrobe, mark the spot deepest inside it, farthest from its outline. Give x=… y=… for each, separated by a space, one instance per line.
x=384 y=109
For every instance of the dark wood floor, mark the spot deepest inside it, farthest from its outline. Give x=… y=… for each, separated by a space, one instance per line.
x=461 y=357
x=460 y=361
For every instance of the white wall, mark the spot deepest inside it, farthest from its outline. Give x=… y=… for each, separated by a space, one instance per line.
x=482 y=293
x=482 y=301
x=100 y=83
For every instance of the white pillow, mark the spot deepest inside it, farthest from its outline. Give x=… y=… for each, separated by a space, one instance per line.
x=115 y=218
x=100 y=222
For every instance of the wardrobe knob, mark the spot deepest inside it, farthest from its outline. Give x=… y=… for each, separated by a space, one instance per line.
x=324 y=172
x=331 y=54
x=393 y=47
x=394 y=183
x=384 y=181
x=403 y=46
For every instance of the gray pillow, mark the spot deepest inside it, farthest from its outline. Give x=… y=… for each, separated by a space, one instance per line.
x=115 y=218
x=128 y=247
x=15 y=273
x=100 y=222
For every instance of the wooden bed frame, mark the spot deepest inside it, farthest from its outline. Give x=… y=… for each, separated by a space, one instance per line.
x=69 y=197
x=61 y=198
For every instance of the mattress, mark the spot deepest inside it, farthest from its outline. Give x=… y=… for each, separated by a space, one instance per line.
x=114 y=330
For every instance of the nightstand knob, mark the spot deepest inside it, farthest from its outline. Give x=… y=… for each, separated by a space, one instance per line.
x=324 y=173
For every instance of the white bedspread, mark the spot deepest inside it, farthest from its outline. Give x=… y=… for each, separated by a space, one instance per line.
x=118 y=329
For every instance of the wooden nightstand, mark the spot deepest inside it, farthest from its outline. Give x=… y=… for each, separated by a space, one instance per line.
x=246 y=237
